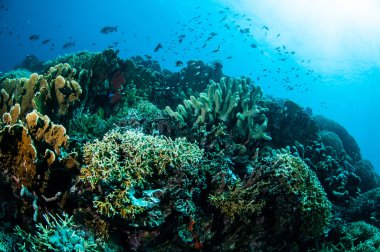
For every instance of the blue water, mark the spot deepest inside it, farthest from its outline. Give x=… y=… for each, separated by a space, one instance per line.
x=331 y=66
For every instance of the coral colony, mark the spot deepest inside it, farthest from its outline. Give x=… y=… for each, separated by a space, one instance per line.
x=99 y=153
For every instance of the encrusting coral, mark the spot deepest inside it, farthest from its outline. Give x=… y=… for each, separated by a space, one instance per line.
x=231 y=102
x=284 y=191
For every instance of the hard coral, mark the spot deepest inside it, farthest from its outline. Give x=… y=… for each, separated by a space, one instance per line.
x=282 y=199
x=125 y=165
x=60 y=234
x=231 y=102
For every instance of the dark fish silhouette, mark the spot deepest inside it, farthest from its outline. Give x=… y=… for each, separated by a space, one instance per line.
x=178 y=63
x=216 y=50
x=253 y=46
x=243 y=31
x=68 y=45
x=34 y=37
x=108 y=29
x=44 y=42
x=158 y=47
x=265 y=27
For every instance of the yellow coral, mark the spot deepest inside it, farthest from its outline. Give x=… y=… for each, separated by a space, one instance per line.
x=53 y=134
x=7 y=119
x=15 y=112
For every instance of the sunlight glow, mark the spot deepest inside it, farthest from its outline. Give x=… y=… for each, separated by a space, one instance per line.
x=336 y=34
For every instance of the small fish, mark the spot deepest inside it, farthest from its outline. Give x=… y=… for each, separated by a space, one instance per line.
x=34 y=37
x=278 y=35
x=68 y=45
x=178 y=63
x=265 y=27
x=158 y=47
x=44 y=42
x=229 y=57
x=216 y=50
x=108 y=29
x=253 y=46
x=243 y=31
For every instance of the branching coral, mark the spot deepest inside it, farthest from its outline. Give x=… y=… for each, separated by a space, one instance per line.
x=60 y=234
x=230 y=102
x=123 y=166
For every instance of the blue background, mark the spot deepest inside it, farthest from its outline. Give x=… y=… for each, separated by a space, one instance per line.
x=337 y=78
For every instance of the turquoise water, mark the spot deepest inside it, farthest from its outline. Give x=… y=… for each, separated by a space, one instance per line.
x=323 y=57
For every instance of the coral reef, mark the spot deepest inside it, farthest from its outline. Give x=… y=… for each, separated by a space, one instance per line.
x=282 y=198
x=197 y=178
x=230 y=102
x=350 y=145
x=60 y=234
x=125 y=165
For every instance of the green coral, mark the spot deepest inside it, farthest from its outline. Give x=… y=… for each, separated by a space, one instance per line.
x=125 y=165
x=286 y=187
x=60 y=234
x=355 y=237
x=231 y=102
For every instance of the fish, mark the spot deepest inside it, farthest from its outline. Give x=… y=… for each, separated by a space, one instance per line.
x=68 y=45
x=217 y=49
x=108 y=29
x=178 y=63
x=158 y=47
x=243 y=31
x=265 y=27
x=44 y=42
x=34 y=37
x=253 y=46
